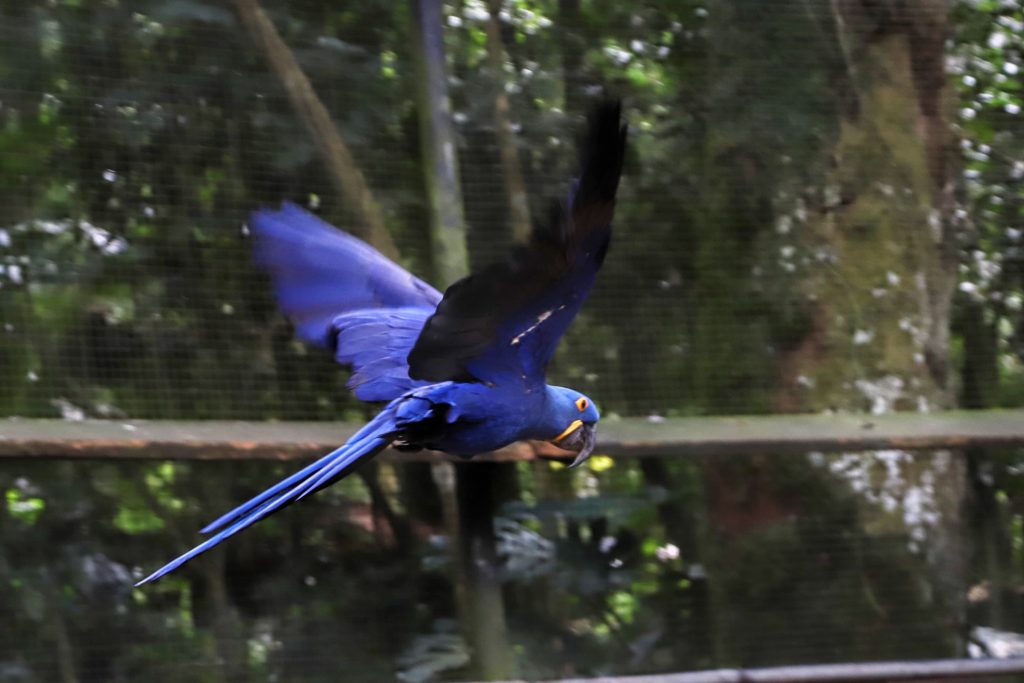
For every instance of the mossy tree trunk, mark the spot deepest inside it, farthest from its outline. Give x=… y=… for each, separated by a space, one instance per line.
x=884 y=232
x=882 y=269
x=834 y=251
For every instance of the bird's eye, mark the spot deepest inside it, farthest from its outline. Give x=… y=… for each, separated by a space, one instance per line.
x=582 y=403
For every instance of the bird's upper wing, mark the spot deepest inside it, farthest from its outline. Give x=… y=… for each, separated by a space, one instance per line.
x=502 y=324
x=343 y=294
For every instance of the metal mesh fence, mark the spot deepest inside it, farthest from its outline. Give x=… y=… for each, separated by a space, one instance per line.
x=776 y=246
x=821 y=211
x=627 y=580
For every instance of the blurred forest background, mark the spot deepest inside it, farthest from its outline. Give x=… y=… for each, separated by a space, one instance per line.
x=823 y=210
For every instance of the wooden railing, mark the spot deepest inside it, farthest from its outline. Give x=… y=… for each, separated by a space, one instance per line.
x=697 y=436
x=632 y=437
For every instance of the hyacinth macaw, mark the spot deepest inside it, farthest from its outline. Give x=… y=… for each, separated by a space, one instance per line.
x=463 y=372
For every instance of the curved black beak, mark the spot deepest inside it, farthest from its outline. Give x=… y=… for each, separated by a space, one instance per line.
x=581 y=442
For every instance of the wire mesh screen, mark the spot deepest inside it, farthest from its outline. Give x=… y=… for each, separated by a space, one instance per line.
x=631 y=578
x=800 y=198
x=821 y=210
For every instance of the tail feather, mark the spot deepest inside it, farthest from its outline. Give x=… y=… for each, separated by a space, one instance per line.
x=324 y=477
x=369 y=441
x=381 y=424
x=273 y=491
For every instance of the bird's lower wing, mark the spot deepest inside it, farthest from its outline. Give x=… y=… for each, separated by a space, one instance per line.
x=376 y=343
x=343 y=294
x=369 y=441
x=320 y=272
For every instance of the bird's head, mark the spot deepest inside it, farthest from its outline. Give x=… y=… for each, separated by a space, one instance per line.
x=573 y=415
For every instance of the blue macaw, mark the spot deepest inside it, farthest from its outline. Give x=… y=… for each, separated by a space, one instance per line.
x=462 y=373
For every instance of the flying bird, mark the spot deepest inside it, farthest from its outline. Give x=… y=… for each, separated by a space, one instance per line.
x=462 y=372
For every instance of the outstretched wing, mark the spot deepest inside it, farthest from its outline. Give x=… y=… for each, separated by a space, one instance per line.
x=502 y=324
x=343 y=294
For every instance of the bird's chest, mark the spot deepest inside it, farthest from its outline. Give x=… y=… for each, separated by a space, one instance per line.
x=489 y=423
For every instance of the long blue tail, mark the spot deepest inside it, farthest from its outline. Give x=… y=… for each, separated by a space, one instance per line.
x=366 y=443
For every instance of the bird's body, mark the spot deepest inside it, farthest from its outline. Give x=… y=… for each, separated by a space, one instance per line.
x=461 y=373
x=477 y=418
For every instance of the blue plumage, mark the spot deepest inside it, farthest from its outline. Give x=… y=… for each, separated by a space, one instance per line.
x=462 y=373
x=376 y=343
x=369 y=441
x=343 y=294
x=320 y=272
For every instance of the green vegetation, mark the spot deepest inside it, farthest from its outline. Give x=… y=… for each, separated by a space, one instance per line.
x=822 y=210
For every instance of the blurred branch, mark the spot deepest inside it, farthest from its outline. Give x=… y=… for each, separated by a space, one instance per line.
x=573 y=47
x=437 y=142
x=511 y=168
x=62 y=638
x=398 y=533
x=345 y=175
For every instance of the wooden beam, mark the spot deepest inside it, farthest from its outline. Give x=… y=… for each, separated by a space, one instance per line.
x=935 y=669
x=695 y=436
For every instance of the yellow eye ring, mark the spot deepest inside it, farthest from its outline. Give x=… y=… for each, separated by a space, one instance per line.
x=582 y=403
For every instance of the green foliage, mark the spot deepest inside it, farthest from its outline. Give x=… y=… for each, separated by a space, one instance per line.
x=25 y=509
x=136 y=136
x=987 y=65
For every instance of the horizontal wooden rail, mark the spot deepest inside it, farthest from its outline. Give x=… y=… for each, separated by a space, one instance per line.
x=935 y=669
x=218 y=440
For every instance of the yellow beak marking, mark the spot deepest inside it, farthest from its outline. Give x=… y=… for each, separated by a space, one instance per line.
x=576 y=424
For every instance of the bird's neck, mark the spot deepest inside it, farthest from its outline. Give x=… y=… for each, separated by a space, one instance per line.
x=551 y=420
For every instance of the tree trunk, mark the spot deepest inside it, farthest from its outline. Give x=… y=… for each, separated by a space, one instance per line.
x=990 y=551
x=484 y=618
x=884 y=285
x=471 y=502
x=58 y=630
x=833 y=251
x=437 y=145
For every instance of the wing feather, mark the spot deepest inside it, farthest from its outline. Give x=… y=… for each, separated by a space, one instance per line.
x=376 y=344
x=503 y=323
x=343 y=294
